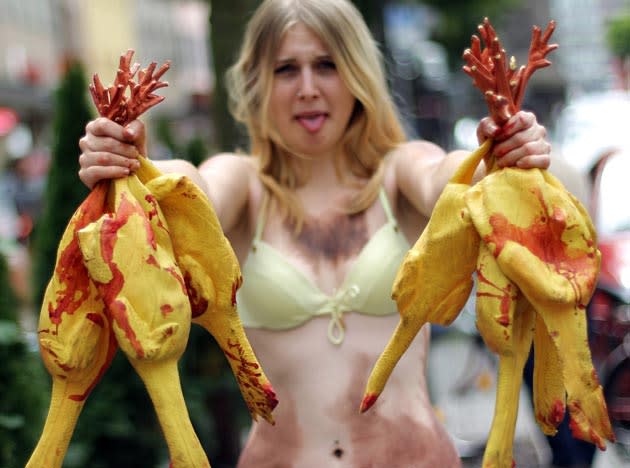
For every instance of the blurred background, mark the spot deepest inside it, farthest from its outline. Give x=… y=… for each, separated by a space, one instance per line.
x=49 y=50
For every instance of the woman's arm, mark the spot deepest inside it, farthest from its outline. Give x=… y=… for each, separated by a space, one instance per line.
x=228 y=178
x=110 y=151
x=422 y=169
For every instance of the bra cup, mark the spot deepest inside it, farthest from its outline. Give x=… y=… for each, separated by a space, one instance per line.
x=377 y=283
x=277 y=296
x=274 y=294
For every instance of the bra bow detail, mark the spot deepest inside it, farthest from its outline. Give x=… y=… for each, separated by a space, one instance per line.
x=340 y=302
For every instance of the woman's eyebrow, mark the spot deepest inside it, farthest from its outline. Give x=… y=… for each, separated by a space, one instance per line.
x=289 y=59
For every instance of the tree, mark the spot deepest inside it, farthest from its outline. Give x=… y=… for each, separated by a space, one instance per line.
x=458 y=20
x=64 y=192
x=618 y=39
x=23 y=394
x=227 y=25
x=618 y=36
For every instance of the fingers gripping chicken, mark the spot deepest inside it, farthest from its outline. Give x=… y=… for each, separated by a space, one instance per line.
x=536 y=266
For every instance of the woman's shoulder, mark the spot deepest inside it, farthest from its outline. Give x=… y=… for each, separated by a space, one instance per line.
x=235 y=176
x=415 y=149
x=230 y=168
x=409 y=154
x=244 y=162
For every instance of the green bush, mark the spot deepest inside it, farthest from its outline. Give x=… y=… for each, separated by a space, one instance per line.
x=23 y=384
x=618 y=36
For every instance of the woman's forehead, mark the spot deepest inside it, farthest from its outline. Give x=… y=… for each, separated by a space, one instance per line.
x=299 y=40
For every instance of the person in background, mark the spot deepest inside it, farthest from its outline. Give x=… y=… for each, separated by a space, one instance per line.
x=320 y=215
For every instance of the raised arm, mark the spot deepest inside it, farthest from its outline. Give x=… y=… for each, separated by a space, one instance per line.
x=110 y=150
x=423 y=169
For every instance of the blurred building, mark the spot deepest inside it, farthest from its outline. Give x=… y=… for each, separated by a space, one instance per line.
x=38 y=36
x=586 y=61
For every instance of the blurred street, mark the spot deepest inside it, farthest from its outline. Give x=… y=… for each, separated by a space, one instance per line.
x=464 y=397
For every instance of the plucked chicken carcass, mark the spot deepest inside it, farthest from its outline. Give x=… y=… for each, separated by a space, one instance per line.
x=141 y=258
x=533 y=248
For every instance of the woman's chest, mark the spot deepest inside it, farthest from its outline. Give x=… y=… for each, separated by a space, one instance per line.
x=327 y=245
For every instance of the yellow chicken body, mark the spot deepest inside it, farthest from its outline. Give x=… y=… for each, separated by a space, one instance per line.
x=75 y=337
x=212 y=276
x=536 y=263
x=141 y=259
x=419 y=296
x=128 y=253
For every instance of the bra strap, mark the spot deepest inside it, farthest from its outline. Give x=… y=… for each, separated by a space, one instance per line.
x=262 y=215
x=388 y=209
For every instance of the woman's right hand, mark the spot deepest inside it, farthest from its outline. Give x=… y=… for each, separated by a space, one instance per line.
x=110 y=150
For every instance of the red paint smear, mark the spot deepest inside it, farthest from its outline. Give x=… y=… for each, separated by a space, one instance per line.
x=71 y=272
x=368 y=400
x=555 y=416
x=578 y=433
x=151 y=200
x=96 y=318
x=248 y=377
x=51 y=352
x=544 y=239
x=175 y=273
x=166 y=309
x=64 y=367
x=244 y=363
x=237 y=284
x=557 y=412
x=111 y=290
x=506 y=298
x=272 y=400
x=198 y=304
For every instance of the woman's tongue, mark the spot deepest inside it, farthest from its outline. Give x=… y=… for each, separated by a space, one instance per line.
x=312 y=123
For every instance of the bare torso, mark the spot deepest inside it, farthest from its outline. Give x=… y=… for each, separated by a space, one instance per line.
x=320 y=385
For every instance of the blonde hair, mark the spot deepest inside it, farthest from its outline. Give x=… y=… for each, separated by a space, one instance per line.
x=374 y=128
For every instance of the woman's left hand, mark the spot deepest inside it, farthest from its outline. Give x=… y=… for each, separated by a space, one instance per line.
x=521 y=142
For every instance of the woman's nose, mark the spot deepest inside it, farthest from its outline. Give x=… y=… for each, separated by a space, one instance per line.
x=307 y=87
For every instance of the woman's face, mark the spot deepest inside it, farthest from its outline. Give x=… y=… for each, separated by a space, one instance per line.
x=310 y=105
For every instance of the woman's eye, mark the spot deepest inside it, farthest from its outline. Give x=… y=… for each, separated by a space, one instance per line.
x=283 y=69
x=327 y=65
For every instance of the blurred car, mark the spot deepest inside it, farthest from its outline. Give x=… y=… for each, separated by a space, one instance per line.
x=609 y=310
x=591 y=125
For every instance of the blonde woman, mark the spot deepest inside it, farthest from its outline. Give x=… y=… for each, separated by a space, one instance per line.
x=320 y=215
